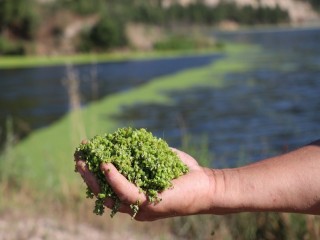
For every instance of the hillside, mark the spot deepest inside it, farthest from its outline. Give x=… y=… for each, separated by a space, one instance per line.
x=299 y=11
x=66 y=27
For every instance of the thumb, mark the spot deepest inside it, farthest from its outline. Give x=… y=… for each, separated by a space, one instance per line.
x=125 y=190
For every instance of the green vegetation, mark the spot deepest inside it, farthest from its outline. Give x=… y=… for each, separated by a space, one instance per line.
x=22 y=32
x=199 y=13
x=10 y=48
x=59 y=140
x=37 y=173
x=180 y=42
x=19 y=18
x=106 y=34
x=82 y=7
x=143 y=159
x=93 y=58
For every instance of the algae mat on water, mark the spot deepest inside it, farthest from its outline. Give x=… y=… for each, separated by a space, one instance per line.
x=44 y=159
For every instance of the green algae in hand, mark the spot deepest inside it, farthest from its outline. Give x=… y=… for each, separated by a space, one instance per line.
x=143 y=159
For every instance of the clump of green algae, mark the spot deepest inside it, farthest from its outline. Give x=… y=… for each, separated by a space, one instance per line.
x=145 y=160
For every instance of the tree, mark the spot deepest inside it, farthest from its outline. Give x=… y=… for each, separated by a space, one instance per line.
x=19 y=17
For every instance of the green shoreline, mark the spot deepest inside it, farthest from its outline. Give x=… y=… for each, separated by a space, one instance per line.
x=10 y=62
x=13 y=62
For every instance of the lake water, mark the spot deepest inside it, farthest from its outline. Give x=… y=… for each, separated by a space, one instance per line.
x=36 y=97
x=270 y=109
x=266 y=111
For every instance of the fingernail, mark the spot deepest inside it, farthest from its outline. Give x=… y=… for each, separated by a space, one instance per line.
x=81 y=168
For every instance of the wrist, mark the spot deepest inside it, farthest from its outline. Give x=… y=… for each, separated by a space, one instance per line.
x=226 y=195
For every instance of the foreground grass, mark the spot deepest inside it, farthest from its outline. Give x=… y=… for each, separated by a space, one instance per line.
x=37 y=174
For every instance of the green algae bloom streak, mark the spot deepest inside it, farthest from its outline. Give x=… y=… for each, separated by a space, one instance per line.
x=143 y=159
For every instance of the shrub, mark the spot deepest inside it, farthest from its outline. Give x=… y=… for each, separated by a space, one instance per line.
x=8 y=47
x=82 y=7
x=107 y=33
x=175 y=43
x=19 y=17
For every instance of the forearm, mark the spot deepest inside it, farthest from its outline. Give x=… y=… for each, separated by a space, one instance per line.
x=287 y=183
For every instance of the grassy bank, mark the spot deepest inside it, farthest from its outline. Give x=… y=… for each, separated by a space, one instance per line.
x=9 y=62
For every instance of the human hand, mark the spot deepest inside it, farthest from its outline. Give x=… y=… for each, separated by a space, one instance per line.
x=282 y=183
x=190 y=194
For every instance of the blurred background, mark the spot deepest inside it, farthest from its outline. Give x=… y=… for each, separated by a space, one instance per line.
x=229 y=81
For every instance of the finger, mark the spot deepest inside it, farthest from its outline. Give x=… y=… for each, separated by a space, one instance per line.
x=186 y=158
x=125 y=190
x=123 y=208
x=88 y=176
x=78 y=155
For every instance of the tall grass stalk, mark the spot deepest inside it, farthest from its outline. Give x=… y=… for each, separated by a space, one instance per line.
x=72 y=85
x=198 y=147
x=9 y=173
x=94 y=95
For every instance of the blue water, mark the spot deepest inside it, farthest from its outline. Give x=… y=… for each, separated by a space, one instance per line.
x=36 y=97
x=268 y=110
